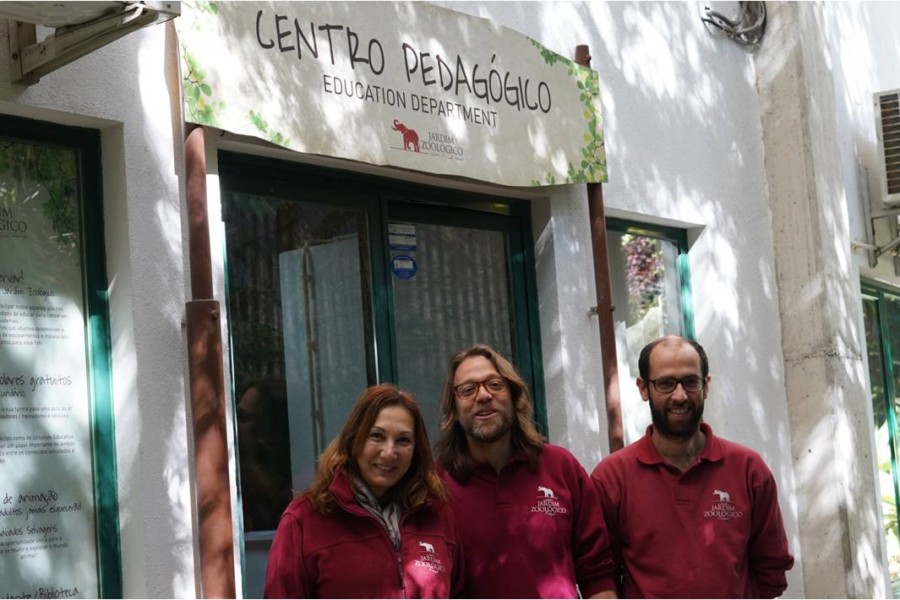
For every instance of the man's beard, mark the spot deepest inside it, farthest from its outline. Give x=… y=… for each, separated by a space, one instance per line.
x=489 y=432
x=683 y=429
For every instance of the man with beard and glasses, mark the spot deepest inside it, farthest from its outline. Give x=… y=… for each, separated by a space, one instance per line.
x=690 y=515
x=527 y=512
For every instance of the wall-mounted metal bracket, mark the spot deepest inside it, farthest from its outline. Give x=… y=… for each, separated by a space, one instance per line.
x=875 y=251
x=30 y=60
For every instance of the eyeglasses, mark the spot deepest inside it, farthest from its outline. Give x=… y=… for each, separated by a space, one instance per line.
x=691 y=383
x=467 y=390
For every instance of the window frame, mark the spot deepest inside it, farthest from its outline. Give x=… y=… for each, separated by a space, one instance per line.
x=85 y=143
x=877 y=291
x=678 y=237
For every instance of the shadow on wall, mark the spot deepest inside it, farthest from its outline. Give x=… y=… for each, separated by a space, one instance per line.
x=682 y=126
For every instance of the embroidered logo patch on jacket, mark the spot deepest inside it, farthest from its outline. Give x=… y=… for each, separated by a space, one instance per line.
x=722 y=507
x=428 y=559
x=547 y=503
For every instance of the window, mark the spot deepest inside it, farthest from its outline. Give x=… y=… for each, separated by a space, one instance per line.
x=881 y=316
x=650 y=282
x=57 y=460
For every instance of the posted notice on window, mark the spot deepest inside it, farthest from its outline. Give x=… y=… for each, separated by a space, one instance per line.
x=47 y=523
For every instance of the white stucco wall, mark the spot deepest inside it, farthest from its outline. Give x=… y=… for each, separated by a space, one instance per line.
x=684 y=147
x=123 y=91
x=861 y=48
x=863 y=45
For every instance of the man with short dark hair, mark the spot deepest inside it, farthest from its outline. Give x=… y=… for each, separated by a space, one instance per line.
x=690 y=515
x=527 y=513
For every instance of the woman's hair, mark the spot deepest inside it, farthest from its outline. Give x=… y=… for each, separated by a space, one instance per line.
x=421 y=483
x=452 y=449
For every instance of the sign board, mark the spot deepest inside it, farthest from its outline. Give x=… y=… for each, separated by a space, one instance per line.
x=404 y=84
x=48 y=534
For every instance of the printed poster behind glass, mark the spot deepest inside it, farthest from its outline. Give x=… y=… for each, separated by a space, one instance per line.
x=48 y=544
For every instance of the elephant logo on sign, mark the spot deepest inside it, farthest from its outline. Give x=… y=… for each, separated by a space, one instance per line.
x=410 y=137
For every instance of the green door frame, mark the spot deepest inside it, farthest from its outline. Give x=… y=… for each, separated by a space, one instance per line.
x=877 y=293
x=86 y=144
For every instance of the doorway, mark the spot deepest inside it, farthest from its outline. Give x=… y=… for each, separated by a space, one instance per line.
x=335 y=282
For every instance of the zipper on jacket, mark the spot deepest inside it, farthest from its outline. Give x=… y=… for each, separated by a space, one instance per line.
x=398 y=552
x=400 y=572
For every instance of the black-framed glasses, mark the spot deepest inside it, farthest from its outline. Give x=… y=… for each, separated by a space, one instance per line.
x=691 y=383
x=467 y=390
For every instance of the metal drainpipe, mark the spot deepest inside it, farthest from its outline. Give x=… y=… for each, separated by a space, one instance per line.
x=204 y=339
x=604 y=299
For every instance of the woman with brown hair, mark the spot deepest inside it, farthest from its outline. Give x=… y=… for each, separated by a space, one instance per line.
x=374 y=523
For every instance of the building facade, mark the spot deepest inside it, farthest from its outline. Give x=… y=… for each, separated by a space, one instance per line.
x=744 y=207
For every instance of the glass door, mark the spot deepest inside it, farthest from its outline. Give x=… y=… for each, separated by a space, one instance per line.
x=451 y=288
x=335 y=283
x=299 y=306
x=59 y=523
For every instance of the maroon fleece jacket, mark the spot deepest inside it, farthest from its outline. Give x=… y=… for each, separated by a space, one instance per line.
x=348 y=554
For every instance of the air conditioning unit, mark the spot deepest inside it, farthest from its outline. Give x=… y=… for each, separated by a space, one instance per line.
x=887 y=119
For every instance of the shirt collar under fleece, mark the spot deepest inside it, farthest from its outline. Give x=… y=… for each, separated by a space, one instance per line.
x=648 y=454
x=518 y=455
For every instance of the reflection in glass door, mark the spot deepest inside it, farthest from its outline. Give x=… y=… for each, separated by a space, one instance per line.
x=298 y=288
x=881 y=314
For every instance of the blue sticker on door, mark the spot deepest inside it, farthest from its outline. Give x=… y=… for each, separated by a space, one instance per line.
x=403 y=266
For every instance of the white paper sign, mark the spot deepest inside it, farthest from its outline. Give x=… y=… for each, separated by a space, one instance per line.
x=47 y=524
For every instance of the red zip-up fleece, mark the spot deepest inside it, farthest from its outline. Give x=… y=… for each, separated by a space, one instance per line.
x=532 y=533
x=714 y=531
x=348 y=554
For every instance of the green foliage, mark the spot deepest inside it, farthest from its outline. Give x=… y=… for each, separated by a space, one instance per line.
x=36 y=168
x=549 y=179
x=263 y=127
x=198 y=94
x=593 y=164
x=645 y=271
x=550 y=57
x=206 y=7
x=592 y=167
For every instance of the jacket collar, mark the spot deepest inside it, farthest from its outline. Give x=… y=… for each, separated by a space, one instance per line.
x=647 y=453
x=342 y=492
